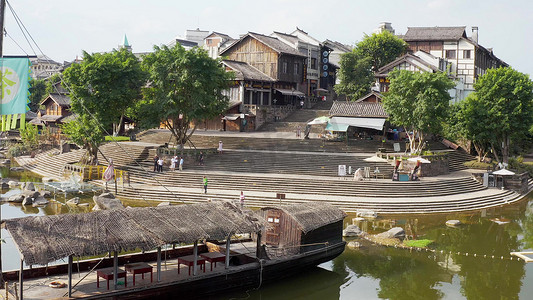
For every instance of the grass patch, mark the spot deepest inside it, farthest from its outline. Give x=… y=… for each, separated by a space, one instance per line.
x=109 y=138
x=474 y=164
x=417 y=243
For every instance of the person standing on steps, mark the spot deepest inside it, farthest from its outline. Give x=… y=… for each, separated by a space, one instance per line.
x=156 y=166
x=160 y=164
x=181 y=163
x=205 y=184
x=298 y=131
x=241 y=198
x=173 y=162
x=220 y=147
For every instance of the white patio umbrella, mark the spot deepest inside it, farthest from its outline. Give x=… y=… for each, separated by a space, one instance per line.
x=420 y=159
x=503 y=172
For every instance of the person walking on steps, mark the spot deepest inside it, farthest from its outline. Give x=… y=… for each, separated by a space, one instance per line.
x=201 y=159
x=205 y=185
x=156 y=166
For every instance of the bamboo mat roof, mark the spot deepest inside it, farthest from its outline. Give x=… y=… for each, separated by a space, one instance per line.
x=44 y=239
x=311 y=216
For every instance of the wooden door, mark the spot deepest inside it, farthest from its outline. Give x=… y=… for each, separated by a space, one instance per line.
x=273 y=232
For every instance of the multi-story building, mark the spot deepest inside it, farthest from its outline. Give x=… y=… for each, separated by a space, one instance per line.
x=468 y=59
x=215 y=42
x=419 y=61
x=43 y=67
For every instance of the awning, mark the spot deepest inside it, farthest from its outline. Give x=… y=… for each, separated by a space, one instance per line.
x=372 y=123
x=290 y=92
x=319 y=120
x=322 y=90
x=337 y=127
x=232 y=117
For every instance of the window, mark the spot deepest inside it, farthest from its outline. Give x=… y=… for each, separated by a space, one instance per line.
x=450 y=53
x=284 y=67
x=466 y=53
x=296 y=69
x=313 y=63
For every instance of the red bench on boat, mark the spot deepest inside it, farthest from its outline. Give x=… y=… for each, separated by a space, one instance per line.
x=139 y=268
x=213 y=257
x=107 y=274
x=189 y=261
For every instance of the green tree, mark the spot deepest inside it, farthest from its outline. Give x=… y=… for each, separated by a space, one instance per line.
x=37 y=93
x=106 y=84
x=86 y=132
x=419 y=102
x=30 y=136
x=382 y=48
x=468 y=121
x=355 y=75
x=504 y=98
x=357 y=67
x=185 y=86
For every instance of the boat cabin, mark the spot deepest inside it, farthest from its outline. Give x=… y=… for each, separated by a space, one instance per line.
x=301 y=228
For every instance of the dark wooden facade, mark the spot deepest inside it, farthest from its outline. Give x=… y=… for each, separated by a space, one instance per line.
x=282 y=67
x=284 y=232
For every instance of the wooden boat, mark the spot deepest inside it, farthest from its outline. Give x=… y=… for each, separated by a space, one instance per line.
x=285 y=240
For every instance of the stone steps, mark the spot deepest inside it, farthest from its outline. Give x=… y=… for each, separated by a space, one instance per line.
x=399 y=207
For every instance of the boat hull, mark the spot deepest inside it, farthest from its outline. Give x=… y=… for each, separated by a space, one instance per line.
x=248 y=276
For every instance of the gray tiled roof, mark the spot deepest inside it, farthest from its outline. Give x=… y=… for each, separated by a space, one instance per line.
x=61 y=99
x=244 y=71
x=434 y=33
x=357 y=109
x=384 y=71
x=289 y=37
x=275 y=44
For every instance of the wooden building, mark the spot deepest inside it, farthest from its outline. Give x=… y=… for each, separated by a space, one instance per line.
x=57 y=109
x=272 y=73
x=301 y=228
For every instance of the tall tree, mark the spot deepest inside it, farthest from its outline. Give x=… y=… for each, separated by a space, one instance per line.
x=419 y=102
x=355 y=76
x=37 y=93
x=382 y=48
x=469 y=121
x=106 y=84
x=357 y=67
x=184 y=86
x=505 y=96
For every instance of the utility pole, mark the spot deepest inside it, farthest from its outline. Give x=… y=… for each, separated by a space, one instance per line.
x=2 y=13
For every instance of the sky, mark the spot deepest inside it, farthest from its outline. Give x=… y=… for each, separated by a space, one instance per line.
x=63 y=29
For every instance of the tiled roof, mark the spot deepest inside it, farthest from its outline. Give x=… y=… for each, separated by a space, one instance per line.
x=269 y=41
x=275 y=44
x=384 y=71
x=434 y=33
x=62 y=100
x=244 y=71
x=337 y=46
x=290 y=38
x=357 y=109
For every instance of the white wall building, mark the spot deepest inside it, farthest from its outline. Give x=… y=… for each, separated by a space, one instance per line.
x=468 y=59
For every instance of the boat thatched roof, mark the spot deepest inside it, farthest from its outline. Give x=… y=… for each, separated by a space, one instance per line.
x=311 y=216
x=44 y=239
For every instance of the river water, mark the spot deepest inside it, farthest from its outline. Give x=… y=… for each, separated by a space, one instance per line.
x=461 y=266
